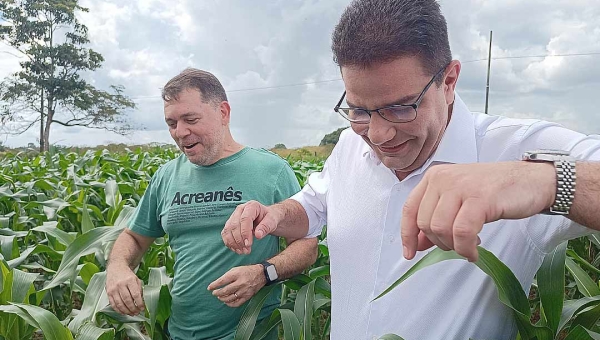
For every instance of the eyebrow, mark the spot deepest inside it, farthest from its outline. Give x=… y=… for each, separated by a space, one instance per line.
x=404 y=100
x=184 y=116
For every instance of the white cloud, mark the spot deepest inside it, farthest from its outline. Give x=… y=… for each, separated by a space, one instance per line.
x=250 y=45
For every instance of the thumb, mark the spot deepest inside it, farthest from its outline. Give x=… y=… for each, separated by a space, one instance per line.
x=423 y=243
x=265 y=227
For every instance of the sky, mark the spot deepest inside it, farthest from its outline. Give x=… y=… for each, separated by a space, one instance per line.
x=275 y=62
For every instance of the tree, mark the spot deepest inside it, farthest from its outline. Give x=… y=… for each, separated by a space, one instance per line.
x=279 y=146
x=332 y=138
x=49 y=88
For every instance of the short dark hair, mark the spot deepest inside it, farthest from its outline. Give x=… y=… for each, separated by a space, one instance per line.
x=191 y=78
x=374 y=31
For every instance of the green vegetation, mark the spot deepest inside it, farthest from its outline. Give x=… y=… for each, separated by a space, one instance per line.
x=332 y=138
x=565 y=300
x=60 y=213
x=307 y=153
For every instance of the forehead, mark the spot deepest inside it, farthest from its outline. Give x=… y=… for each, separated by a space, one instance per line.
x=383 y=83
x=186 y=96
x=188 y=103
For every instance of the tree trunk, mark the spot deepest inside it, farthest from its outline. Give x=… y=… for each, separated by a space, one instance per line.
x=46 y=139
x=42 y=122
x=49 y=116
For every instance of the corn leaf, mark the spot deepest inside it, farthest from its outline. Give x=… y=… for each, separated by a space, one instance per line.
x=585 y=284
x=250 y=314
x=588 y=318
x=21 y=285
x=551 y=285
x=572 y=308
x=580 y=333
x=319 y=271
x=303 y=308
x=41 y=319
x=390 y=337
x=110 y=313
x=292 y=330
x=50 y=228
x=95 y=300
x=86 y=244
x=87 y=271
x=266 y=325
x=91 y=332
x=113 y=196
x=134 y=332
x=510 y=291
x=157 y=290
x=86 y=221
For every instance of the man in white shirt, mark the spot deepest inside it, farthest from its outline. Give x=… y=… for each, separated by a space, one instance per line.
x=418 y=169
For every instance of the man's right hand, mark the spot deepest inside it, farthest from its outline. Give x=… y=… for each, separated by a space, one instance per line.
x=124 y=290
x=249 y=220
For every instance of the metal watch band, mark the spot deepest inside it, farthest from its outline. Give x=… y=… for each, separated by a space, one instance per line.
x=565 y=185
x=564 y=165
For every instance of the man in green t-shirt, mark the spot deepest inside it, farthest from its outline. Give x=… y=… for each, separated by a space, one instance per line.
x=189 y=199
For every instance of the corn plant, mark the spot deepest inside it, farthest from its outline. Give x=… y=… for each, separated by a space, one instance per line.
x=559 y=318
x=60 y=212
x=59 y=215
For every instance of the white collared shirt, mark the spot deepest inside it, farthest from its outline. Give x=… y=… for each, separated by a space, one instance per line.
x=361 y=200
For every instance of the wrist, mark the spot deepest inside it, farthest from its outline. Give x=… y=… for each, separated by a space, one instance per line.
x=119 y=265
x=562 y=188
x=277 y=212
x=260 y=274
x=270 y=272
x=547 y=174
x=112 y=264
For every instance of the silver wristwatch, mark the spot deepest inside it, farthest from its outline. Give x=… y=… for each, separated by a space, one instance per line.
x=564 y=164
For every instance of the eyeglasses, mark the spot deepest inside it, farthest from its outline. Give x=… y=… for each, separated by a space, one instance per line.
x=399 y=113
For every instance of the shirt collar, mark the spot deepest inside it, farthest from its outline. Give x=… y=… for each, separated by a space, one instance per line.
x=458 y=145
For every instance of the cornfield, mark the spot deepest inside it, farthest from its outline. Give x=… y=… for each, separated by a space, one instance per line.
x=61 y=212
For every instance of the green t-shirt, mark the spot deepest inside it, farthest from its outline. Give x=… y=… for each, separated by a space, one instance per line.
x=191 y=204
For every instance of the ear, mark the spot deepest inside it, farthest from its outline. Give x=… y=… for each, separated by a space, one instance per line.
x=449 y=83
x=225 y=111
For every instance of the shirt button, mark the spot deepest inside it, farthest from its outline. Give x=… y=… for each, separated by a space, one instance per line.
x=391 y=238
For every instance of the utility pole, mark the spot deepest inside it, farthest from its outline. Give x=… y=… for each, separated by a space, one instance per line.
x=487 y=85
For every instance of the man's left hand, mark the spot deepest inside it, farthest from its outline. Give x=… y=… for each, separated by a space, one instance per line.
x=239 y=284
x=450 y=205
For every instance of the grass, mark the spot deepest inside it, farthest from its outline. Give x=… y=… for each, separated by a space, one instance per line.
x=305 y=153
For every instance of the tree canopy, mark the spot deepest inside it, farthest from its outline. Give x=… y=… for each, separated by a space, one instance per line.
x=50 y=88
x=333 y=137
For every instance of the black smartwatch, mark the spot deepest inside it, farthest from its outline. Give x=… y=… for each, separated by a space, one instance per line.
x=270 y=272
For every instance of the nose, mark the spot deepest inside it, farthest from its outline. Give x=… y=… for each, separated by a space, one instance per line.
x=181 y=131
x=380 y=130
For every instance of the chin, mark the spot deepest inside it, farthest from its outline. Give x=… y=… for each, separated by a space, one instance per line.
x=404 y=164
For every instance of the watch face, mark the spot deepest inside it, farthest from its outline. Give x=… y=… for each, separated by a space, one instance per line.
x=550 y=152
x=544 y=155
x=272 y=273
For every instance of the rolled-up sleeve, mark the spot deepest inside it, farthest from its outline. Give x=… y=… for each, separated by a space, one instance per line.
x=544 y=135
x=313 y=197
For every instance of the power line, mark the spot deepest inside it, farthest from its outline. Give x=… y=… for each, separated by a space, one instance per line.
x=287 y=85
x=535 y=56
x=265 y=87
x=339 y=79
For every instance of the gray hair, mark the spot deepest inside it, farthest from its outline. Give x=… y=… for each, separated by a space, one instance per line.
x=209 y=86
